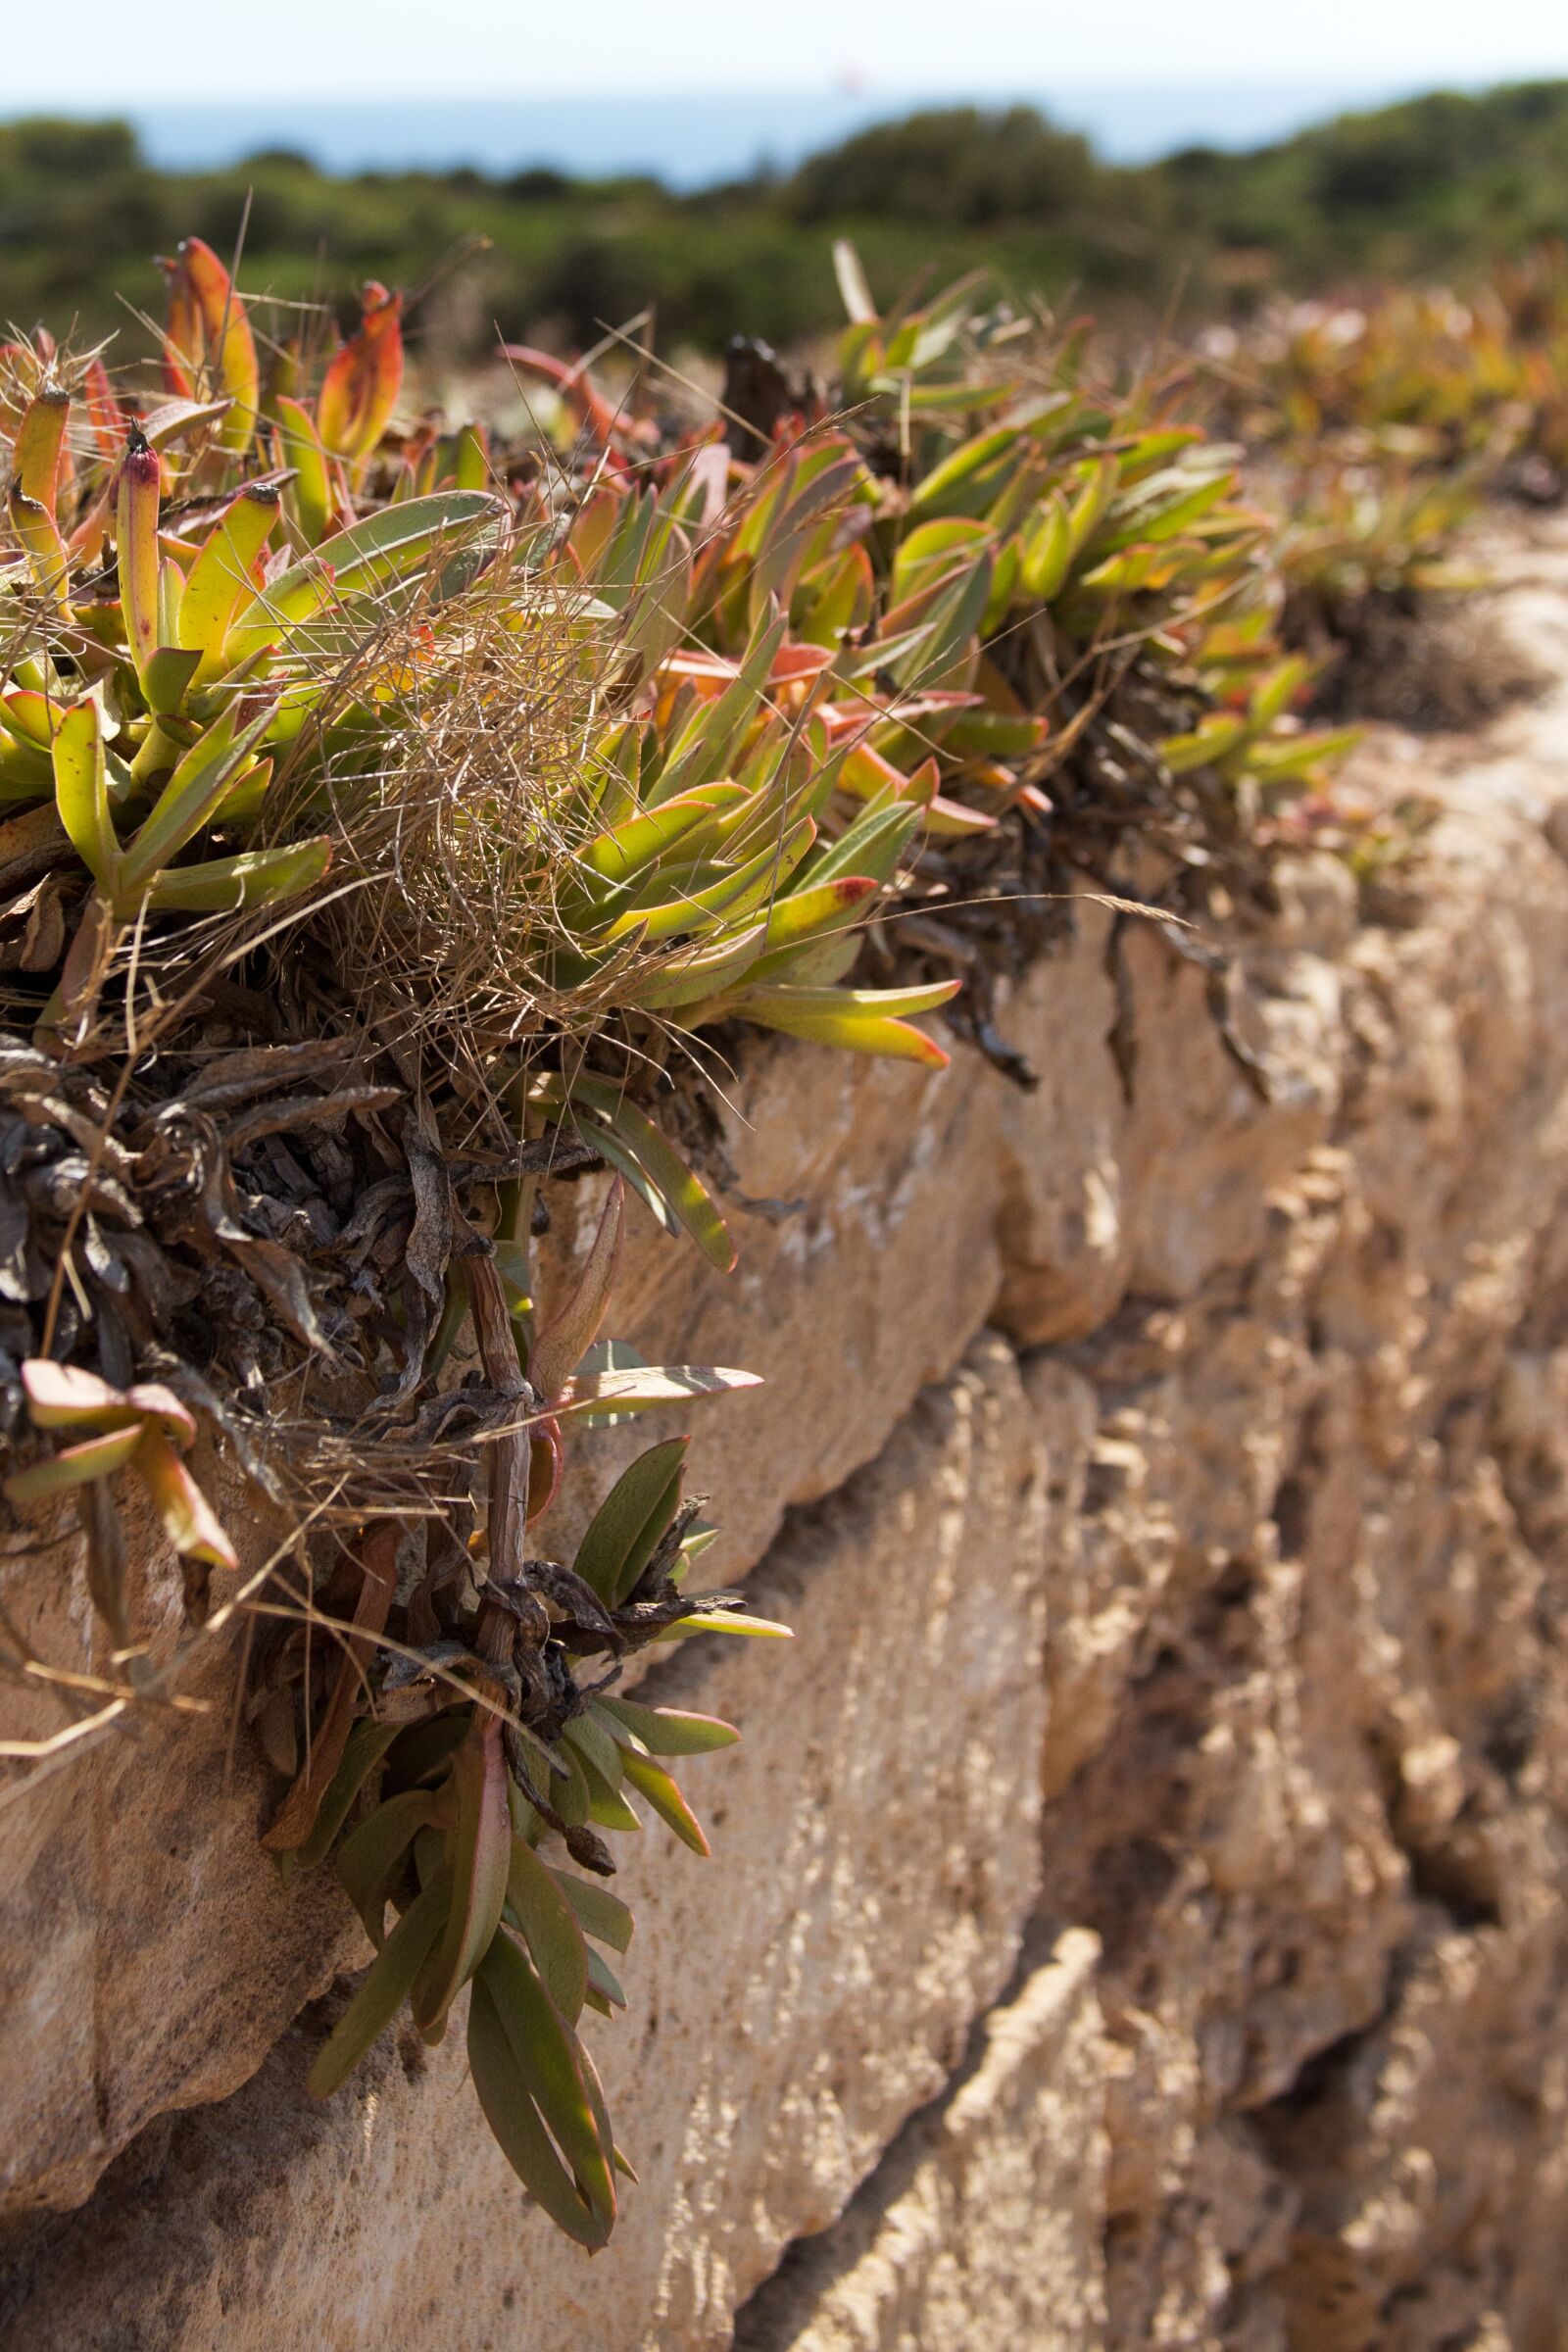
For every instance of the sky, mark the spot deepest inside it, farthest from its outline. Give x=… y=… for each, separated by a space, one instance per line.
x=106 y=53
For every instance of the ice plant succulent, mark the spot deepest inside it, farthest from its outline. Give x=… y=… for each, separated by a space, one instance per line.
x=387 y=814
x=144 y=1429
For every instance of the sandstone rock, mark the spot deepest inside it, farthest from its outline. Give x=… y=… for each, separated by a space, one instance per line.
x=149 y=1953
x=1429 y=2161
x=1205 y=1148
x=1305 y=1763
x=983 y=2223
x=1063 y=1208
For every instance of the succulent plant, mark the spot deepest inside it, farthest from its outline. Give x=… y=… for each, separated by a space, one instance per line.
x=389 y=810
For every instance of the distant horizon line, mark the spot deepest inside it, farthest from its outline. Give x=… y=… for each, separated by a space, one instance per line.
x=73 y=105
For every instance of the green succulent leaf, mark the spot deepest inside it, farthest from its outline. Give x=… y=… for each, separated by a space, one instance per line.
x=604 y=1987
x=856 y=1020
x=667 y=1731
x=74 y=1466
x=480 y=1861
x=81 y=791
x=383 y=1992
x=652 y=1782
x=189 y=799
x=374 y=1853
x=440 y=541
x=653 y=1166
x=368 y=1743
x=601 y=1914
x=550 y=1929
x=623 y=1530
x=254 y=878
x=532 y=2073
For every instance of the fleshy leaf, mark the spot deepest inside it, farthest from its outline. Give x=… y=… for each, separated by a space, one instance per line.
x=550 y=1927
x=480 y=1852
x=602 y=1915
x=81 y=791
x=590 y=1395
x=373 y=1852
x=502 y=2082
x=252 y=878
x=630 y=1520
x=74 y=1466
x=383 y=1992
x=653 y=1165
x=189 y=799
x=650 y=1779
x=209 y=333
x=363 y=379
x=190 y=1523
x=222 y=573
x=545 y=2049
x=667 y=1731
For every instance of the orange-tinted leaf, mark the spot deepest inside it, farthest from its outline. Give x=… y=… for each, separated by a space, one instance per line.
x=39 y=445
x=104 y=410
x=189 y=1520
x=651 y=1781
x=587 y=405
x=208 y=334
x=136 y=537
x=74 y=1466
x=360 y=386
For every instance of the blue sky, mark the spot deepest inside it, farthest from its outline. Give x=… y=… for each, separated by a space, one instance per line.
x=100 y=52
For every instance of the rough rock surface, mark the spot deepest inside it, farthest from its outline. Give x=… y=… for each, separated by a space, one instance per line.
x=1201 y=1640
x=980 y=2225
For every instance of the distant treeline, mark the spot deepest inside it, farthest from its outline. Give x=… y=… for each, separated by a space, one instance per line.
x=1438 y=184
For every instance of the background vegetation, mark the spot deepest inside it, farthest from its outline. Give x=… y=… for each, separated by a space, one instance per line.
x=1445 y=183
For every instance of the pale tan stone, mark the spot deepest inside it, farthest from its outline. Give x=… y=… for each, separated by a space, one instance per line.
x=1063 y=1146
x=149 y=1952
x=1310 y=1719
x=983 y=2226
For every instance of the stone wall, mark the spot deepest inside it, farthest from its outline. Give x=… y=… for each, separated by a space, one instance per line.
x=1137 y=1917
